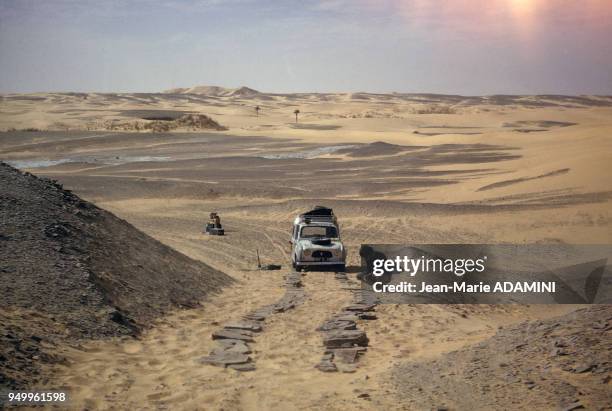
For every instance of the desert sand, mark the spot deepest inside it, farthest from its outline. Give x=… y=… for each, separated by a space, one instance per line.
x=396 y=168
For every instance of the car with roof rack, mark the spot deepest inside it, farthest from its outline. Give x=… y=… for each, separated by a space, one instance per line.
x=316 y=241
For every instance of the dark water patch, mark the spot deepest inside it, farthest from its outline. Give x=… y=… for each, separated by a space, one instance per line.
x=319 y=127
x=310 y=153
x=378 y=148
x=538 y=123
x=430 y=134
x=163 y=115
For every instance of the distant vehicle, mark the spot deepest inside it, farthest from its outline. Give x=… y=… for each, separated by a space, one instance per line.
x=316 y=241
x=214 y=227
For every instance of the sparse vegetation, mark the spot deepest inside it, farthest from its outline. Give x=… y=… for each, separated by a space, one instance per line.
x=296 y=112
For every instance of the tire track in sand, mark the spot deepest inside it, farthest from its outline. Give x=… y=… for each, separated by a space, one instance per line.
x=234 y=338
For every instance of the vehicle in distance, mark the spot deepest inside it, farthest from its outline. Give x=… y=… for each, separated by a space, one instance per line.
x=316 y=241
x=214 y=227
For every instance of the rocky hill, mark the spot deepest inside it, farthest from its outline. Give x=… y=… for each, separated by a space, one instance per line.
x=562 y=363
x=70 y=270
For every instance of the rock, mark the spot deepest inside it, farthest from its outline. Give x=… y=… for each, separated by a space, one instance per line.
x=326 y=366
x=225 y=358
x=348 y=355
x=346 y=316
x=255 y=317
x=227 y=343
x=583 y=368
x=328 y=356
x=345 y=338
x=120 y=318
x=360 y=307
x=337 y=325
x=233 y=335
x=265 y=311
x=244 y=325
x=558 y=352
x=367 y=316
x=241 y=348
x=249 y=366
x=283 y=306
x=347 y=369
x=573 y=406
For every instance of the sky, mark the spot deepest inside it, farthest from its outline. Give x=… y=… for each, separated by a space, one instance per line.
x=468 y=47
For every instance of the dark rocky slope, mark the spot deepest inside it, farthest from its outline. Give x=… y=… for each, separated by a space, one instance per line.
x=70 y=270
x=563 y=363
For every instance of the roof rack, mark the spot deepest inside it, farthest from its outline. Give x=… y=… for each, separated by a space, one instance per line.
x=318 y=214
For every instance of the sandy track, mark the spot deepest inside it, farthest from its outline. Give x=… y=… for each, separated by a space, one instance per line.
x=162 y=366
x=161 y=369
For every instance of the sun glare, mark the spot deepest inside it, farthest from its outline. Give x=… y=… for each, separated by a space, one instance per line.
x=522 y=4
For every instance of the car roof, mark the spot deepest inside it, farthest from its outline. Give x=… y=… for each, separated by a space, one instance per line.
x=318 y=224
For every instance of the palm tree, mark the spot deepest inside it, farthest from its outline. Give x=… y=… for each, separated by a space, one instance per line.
x=296 y=112
x=257 y=111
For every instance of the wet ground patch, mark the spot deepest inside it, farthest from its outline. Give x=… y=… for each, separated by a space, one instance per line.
x=318 y=127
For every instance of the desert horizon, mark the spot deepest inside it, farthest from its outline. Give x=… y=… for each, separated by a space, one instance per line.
x=216 y=89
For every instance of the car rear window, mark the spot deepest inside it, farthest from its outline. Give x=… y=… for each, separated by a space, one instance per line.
x=319 y=231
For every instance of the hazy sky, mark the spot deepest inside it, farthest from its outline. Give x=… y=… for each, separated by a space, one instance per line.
x=442 y=46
